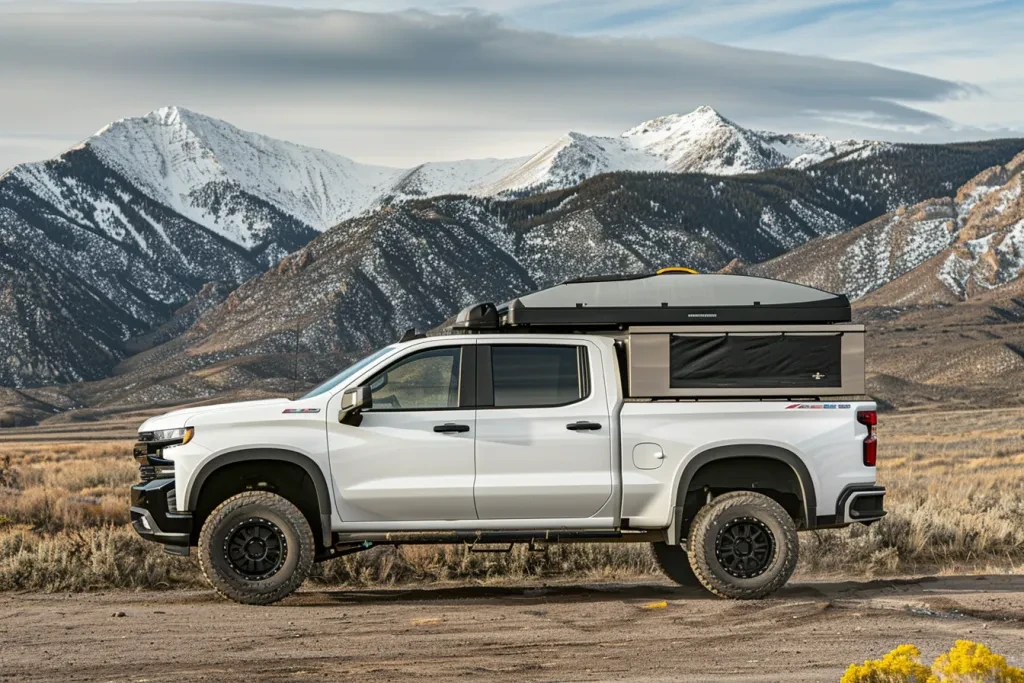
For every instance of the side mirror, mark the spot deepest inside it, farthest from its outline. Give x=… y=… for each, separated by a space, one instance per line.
x=354 y=401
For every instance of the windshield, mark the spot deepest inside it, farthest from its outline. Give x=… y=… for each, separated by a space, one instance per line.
x=348 y=372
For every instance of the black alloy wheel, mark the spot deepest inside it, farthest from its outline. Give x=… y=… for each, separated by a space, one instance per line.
x=256 y=548
x=745 y=547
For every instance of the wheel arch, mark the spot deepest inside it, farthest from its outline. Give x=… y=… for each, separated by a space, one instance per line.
x=756 y=451
x=315 y=473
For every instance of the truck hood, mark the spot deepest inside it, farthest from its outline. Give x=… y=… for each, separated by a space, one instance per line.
x=180 y=417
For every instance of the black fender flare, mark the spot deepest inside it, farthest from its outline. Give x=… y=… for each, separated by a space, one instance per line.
x=754 y=450
x=323 y=492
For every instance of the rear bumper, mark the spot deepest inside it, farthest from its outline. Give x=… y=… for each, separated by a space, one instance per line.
x=857 y=503
x=155 y=517
x=861 y=504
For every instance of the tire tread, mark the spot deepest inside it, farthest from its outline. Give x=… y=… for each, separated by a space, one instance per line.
x=699 y=563
x=236 y=590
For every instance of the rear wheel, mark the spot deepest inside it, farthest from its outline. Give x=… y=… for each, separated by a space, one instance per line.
x=742 y=545
x=256 y=548
x=675 y=564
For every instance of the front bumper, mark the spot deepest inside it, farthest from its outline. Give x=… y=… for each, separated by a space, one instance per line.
x=155 y=517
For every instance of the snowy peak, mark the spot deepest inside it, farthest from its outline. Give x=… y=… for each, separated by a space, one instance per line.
x=570 y=160
x=704 y=141
x=218 y=175
x=237 y=183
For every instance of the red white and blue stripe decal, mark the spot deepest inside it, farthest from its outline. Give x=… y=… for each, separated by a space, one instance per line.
x=819 y=406
x=300 y=411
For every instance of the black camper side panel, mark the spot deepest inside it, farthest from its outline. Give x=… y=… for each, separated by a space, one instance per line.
x=755 y=361
x=746 y=361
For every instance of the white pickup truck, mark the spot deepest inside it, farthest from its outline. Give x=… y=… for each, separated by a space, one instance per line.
x=542 y=422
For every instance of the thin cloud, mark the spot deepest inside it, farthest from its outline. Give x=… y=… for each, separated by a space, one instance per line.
x=399 y=87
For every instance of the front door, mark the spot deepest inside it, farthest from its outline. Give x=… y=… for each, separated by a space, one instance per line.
x=543 y=444
x=411 y=458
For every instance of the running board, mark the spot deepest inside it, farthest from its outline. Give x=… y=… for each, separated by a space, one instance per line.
x=533 y=537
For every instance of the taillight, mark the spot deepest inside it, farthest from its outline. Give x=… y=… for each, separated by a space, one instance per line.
x=869 y=418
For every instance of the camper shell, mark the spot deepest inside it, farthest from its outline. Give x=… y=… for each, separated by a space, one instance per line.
x=693 y=336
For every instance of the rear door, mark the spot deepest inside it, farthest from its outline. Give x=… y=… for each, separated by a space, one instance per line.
x=543 y=437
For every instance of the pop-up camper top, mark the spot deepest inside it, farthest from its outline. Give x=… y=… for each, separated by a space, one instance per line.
x=700 y=336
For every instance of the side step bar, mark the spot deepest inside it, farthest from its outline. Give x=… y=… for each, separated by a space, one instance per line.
x=498 y=537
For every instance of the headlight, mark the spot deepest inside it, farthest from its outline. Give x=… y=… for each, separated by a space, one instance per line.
x=182 y=435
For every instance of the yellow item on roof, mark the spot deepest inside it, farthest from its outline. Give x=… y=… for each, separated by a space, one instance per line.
x=677 y=269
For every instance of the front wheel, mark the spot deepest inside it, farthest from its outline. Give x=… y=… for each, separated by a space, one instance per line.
x=256 y=548
x=742 y=545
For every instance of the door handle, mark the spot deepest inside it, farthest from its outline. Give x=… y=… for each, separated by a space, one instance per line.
x=450 y=428
x=583 y=425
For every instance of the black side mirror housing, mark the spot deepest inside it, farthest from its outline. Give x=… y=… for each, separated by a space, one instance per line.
x=353 y=402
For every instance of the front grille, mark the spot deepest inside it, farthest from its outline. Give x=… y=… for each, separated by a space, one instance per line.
x=147 y=473
x=148 y=454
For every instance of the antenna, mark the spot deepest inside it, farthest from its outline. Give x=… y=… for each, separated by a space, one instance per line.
x=295 y=368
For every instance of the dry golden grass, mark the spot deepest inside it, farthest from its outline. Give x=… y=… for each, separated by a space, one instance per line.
x=955 y=482
x=955 y=504
x=53 y=487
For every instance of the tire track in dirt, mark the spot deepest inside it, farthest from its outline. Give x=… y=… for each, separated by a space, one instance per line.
x=809 y=631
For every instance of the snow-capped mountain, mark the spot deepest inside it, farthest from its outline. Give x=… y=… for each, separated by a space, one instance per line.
x=702 y=141
x=236 y=184
x=199 y=167
x=106 y=250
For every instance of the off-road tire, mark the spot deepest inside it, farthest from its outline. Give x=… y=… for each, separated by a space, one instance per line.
x=298 y=547
x=715 y=518
x=675 y=564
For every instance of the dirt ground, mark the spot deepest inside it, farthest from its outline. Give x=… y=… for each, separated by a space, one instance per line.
x=809 y=632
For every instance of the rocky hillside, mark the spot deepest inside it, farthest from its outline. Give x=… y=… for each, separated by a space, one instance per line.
x=88 y=261
x=362 y=283
x=939 y=251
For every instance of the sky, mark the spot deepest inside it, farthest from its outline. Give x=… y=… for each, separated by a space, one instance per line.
x=399 y=83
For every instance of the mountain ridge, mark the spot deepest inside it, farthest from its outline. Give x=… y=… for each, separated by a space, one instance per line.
x=108 y=250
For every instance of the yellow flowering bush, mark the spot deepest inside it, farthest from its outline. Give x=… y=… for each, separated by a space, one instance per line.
x=902 y=665
x=966 y=662
x=969 y=661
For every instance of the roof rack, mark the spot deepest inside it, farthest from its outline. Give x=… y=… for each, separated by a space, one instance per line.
x=673 y=296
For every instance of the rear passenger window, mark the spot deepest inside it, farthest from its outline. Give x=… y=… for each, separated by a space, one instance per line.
x=538 y=376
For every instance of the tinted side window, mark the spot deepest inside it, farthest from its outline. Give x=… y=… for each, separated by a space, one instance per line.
x=428 y=380
x=537 y=376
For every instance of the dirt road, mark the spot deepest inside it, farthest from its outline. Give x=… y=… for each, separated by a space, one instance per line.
x=809 y=632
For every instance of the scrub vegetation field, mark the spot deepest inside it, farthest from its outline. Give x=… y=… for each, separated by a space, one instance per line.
x=955 y=482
